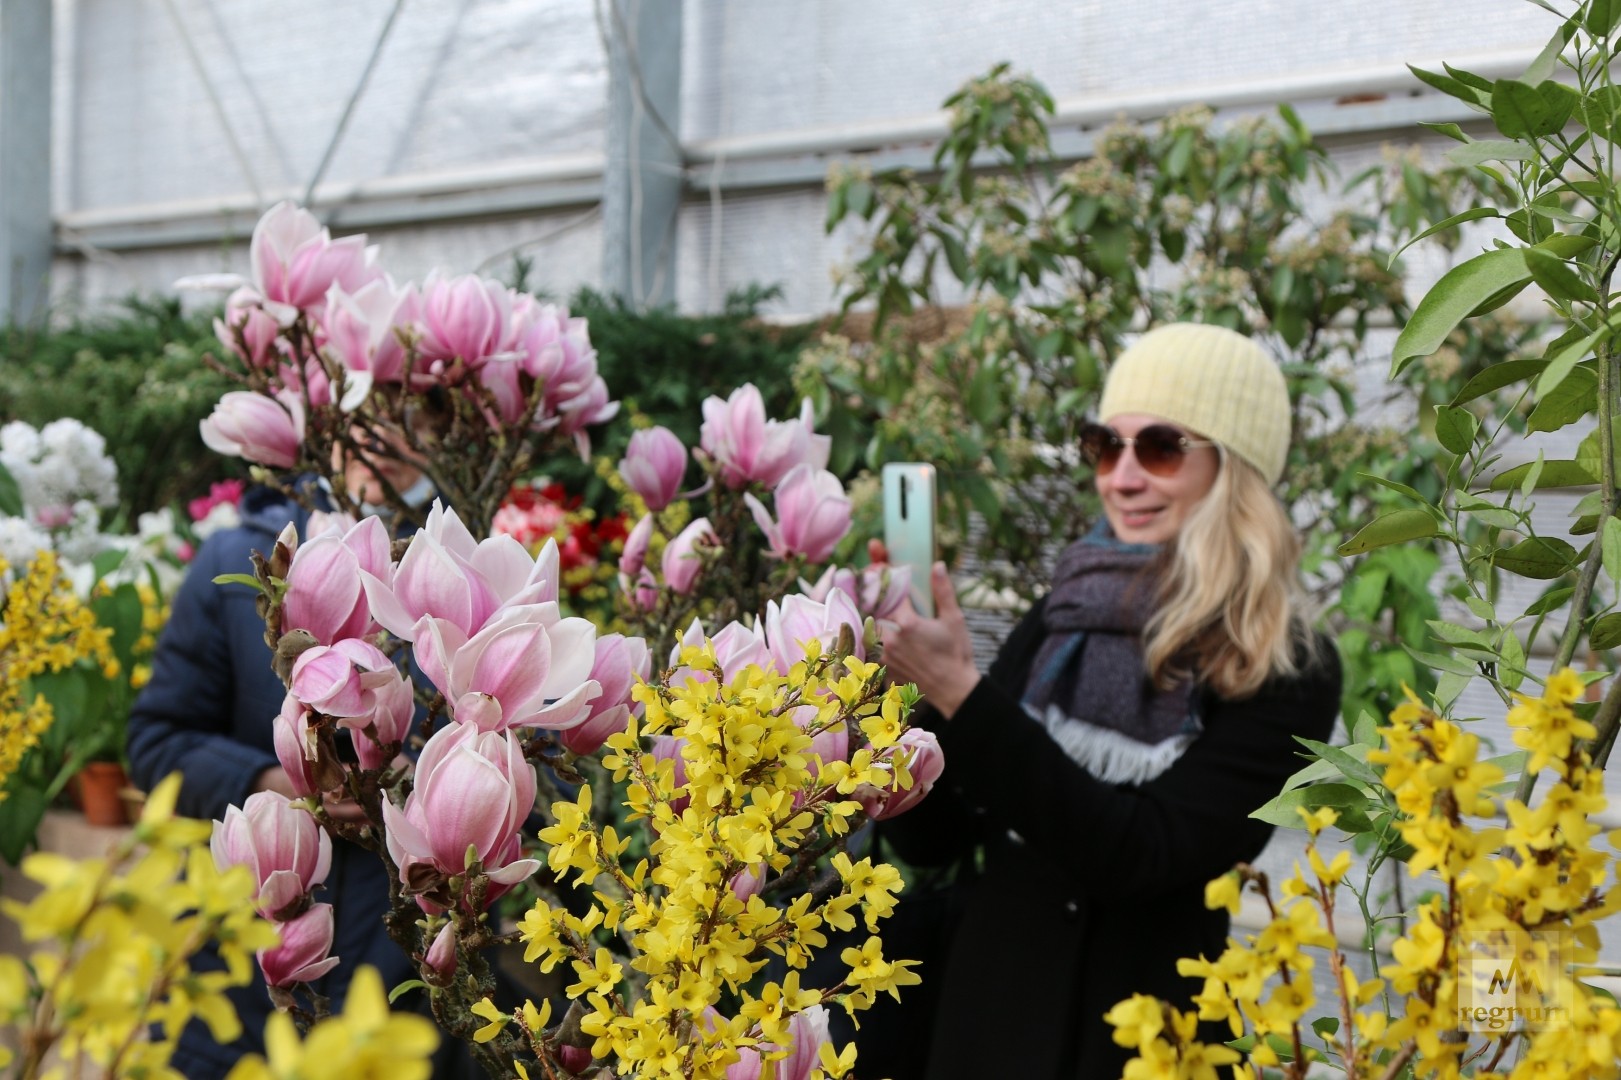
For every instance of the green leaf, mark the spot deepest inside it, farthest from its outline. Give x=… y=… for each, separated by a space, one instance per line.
x=1449 y=85
x=106 y=562
x=1481 y=609
x=404 y=988
x=11 y=497
x=1556 y=473
x=1513 y=668
x=860 y=197
x=1396 y=527
x=1453 y=634
x=1523 y=111
x=1547 y=61
x=1606 y=631
x=1343 y=760
x=956 y=257
x=1563 y=362
x=1349 y=800
x=1326 y=1026
x=25 y=809
x=1551 y=600
x=1455 y=428
x=1311 y=774
x=835 y=208
x=1442 y=662
x=1496 y=377
x=1449 y=686
x=237 y=579
x=1386 y=482
x=1460 y=291
x=1451 y=131
x=983 y=497
x=1449 y=223
x=1590 y=456
x=1538 y=557
x=1610 y=545
x=1557 y=279
x=1532 y=475
x=1575 y=397
x=1483 y=150
x=1600 y=17
x=1489 y=513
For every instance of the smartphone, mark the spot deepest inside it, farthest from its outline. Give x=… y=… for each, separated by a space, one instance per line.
x=909 y=525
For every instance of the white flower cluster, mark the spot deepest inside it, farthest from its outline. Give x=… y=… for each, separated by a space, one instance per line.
x=57 y=466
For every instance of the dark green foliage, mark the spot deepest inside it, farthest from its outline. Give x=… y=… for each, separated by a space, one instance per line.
x=662 y=365
x=137 y=377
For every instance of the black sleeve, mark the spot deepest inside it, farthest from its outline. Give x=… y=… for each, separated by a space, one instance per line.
x=1181 y=829
x=946 y=825
x=183 y=718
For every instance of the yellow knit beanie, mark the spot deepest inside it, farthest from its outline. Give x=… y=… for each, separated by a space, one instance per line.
x=1213 y=381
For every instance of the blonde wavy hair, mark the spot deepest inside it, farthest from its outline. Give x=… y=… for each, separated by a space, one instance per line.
x=1230 y=610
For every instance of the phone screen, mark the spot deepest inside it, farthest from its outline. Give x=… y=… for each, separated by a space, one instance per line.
x=909 y=513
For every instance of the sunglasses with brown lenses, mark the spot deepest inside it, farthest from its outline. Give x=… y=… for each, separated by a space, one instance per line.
x=1160 y=448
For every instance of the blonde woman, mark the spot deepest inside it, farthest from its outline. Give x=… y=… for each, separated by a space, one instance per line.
x=1107 y=764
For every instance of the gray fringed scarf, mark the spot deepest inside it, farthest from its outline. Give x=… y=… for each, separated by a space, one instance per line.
x=1087 y=684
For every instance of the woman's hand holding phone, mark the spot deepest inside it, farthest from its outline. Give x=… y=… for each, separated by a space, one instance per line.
x=936 y=652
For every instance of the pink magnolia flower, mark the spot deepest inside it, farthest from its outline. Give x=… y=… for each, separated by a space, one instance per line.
x=343 y=679
x=924 y=762
x=302 y=955
x=668 y=748
x=746 y=1067
x=634 y=556
x=554 y=349
x=466 y=317
x=736 y=647
x=807 y=1032
x=830 y=744
x=748 y=882
x=388 y=715
x=290 y=734
x=249 y=330
x=261 y=429
x=576 y=1059
x=527 y=667
x=620 y=661
x=447 y=575
x=442 y=953
x=654 y=463
x=643 y=591
x=747 y=448
x=324 y=583
x=590 y=407
x=799 y=620
x=473 y=790
x=682 y=563
x=362 y=328
x=280 y=843
x=878 y=589
x=813 y=514
x=296 y=261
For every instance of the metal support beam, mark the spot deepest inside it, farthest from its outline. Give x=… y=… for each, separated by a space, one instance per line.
x=641 y=189
x=25 y=158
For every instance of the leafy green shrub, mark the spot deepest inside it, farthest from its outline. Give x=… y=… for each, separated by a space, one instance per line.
x=138 y=378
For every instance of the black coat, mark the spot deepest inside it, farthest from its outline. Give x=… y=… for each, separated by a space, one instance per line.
x=1088 y=892
x=208 y=713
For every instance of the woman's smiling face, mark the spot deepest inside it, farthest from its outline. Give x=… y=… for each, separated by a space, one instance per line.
x=1143 y=508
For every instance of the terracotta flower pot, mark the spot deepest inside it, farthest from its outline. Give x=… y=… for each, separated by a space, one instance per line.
x=97 y=790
